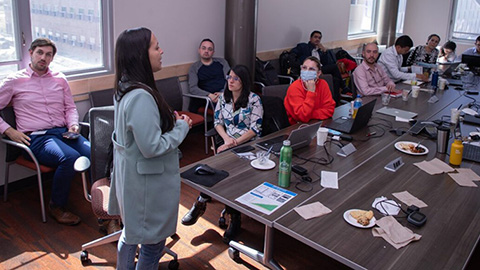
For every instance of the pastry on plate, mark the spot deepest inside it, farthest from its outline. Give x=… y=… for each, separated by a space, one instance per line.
x=361 y=216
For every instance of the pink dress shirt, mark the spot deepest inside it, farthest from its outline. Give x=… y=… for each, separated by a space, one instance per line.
x=371 y=81
x=39 y=102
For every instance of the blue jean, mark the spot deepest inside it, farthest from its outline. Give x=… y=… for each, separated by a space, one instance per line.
x=148 y=259
x=52 y=150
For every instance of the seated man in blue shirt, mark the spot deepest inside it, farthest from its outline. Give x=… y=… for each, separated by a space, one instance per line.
x=474 y=50
x=207 y=76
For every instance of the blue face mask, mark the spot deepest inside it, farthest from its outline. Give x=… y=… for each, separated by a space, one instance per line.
x=307 y=75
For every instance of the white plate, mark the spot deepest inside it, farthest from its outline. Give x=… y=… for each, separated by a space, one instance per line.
x=350 y=220
x=269 y=164
x=398 y=144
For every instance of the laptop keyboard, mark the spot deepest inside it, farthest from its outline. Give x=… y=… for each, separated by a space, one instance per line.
x=471 y=152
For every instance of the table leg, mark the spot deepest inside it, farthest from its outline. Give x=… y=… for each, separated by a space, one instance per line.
x=265 y=258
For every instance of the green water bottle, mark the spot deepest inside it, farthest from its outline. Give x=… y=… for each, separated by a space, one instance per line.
x=285 y=164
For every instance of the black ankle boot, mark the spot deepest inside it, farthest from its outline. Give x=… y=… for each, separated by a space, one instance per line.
x=195 y=212
x=234 y=226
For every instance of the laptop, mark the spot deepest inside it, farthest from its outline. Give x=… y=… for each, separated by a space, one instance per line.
x=471 y=60
x=298 y=138
x=349 y=125
x=397 y=113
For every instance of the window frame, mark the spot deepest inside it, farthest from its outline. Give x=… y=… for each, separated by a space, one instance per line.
x=453 y=16
x=24 y=37
x=370 y=33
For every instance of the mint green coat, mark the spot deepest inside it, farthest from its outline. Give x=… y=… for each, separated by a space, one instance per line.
x=145 y=188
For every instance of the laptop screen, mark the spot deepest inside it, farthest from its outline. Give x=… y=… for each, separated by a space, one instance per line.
x=471 y=60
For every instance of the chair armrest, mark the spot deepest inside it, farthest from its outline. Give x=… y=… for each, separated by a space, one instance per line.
x=211 y=132
x=289 y=78
x=259 y=83
x=84 y=124
x=208 y=102
x=81 y=165
x=25 y=148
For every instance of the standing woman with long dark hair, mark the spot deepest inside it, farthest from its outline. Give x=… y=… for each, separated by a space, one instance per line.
x=145 y=188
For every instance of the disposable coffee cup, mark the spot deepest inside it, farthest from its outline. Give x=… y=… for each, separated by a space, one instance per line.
x=415 y=91
x=322 y=134
x=442 y=83
x=405 y=93
x=455 y=113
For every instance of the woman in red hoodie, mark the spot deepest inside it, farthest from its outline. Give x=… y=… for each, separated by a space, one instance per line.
x=309 y=97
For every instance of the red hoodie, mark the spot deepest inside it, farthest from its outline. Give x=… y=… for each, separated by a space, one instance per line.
x=302 y=105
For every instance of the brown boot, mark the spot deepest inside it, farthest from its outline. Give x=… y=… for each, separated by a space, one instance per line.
x=62 y=216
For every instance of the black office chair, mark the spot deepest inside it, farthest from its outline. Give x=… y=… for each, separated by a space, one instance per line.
x=279 y=90
x=101 y=129
x=14 y=156
x=172 y=93
x=97 y=99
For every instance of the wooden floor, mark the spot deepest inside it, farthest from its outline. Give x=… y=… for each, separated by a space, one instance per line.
x=27 y=243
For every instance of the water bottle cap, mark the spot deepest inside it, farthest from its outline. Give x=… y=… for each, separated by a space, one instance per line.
x=286 y=142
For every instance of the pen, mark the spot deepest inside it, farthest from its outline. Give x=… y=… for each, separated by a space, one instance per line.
x=459 y=107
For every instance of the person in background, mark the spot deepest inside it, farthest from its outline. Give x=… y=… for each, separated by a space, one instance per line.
x=447 y=53
x=474 y=50
x=145 y=188
x=391 y=61
x=369 y=78
x=328 y=64
x=207 y=76
x=425 y=53
x=238 y=119
x=309 y=97
x=44 y=110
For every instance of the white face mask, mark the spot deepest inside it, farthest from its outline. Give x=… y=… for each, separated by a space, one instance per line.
x=307 y=75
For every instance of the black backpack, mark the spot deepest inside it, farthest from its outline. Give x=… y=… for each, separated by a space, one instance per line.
x=265 y=72
x=289 y=64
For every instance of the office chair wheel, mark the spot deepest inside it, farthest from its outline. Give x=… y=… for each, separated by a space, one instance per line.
x=233 y=253
x=173 y=265
x=84 y=258
x=222 y=223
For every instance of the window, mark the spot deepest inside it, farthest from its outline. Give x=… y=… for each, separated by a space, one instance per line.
x=24 y=21
x=466 y=22
x=362 y=19
x=402 y=5
x=8 y=42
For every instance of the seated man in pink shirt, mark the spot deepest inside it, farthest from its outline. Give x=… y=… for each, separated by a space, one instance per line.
x=369 y=77
x=44 y=110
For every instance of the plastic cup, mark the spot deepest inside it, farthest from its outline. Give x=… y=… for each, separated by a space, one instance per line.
x=322 y=134
x=405 y=93
x=415 y=91
x=385 y=98
x=455 y=113
x=442 y=83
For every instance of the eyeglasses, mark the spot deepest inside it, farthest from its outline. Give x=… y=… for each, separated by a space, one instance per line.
x=235 y=78
x=303 y=67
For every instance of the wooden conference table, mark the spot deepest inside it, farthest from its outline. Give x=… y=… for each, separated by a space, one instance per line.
x=362 y=178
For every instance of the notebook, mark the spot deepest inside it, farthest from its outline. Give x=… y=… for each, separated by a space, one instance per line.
x=397 y=113
x=350 y=125
x=298 y=138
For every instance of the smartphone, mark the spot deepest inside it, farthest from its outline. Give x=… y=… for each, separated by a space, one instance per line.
x=243 y=149
x=70 y=135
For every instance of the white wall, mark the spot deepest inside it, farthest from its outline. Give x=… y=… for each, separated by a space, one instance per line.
x=284 y=23
x=180 y=25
